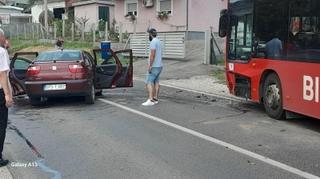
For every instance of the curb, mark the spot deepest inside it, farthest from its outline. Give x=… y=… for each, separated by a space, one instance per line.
x=212 y=94
x=4 y=173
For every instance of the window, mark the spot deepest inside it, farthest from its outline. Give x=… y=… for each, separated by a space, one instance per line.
x=165 y=6
x=295 y=23
x=57 y=13
x=304 y=31
x=88 y=59
x=59 y=56
x=240 y=38
x=104 y=13
x=131 y=8
x=21 y=64
x=105 y=58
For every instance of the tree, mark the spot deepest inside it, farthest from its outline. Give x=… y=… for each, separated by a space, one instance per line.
x=82 y=21
x=50 y=18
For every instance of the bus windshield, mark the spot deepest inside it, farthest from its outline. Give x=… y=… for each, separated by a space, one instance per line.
x=240 y=39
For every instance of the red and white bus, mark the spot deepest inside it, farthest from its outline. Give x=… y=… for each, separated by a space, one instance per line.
x=273 y=54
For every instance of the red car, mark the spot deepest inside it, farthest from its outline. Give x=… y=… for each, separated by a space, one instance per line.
x=69 y=73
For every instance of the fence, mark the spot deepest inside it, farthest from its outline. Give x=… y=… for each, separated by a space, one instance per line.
x=195 y=45
x=66 y=30
x=24 y=31
x=184 y=45
x=176 y=45
x=173 y=44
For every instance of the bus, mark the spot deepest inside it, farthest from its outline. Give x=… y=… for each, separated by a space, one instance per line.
x=273 y=54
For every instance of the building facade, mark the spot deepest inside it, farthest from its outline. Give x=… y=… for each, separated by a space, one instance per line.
x=57 y=7
x=13 y=15
x=168 y=15
x=94 y=11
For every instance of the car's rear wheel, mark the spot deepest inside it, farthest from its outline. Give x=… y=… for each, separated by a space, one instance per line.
x=272 y=97
x=35 y=101
x=91 y=97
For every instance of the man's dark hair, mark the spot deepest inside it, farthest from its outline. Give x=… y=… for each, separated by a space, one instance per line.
x=59 y=43
x=277 y=34
x=153 y=32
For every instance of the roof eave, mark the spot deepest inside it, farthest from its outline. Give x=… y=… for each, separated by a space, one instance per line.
x=92 y=2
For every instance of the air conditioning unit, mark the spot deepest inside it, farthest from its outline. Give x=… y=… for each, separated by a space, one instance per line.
x=148 y=3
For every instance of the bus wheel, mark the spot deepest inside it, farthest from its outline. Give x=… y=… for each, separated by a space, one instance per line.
x=272 y=97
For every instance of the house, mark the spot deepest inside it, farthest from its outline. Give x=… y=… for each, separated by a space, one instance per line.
x=13 y=15
x=18 y=3
x=93 y=11
x=168 y=15
x=57 y=7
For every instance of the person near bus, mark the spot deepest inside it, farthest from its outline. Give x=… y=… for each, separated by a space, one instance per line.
x=274 y=47
x=154 y=69
x=6 y=100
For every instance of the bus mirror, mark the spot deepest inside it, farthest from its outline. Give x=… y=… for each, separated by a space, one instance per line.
x=223 y=25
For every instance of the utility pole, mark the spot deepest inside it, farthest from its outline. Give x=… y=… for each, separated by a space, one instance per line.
x=45 y=4
x=187 y=16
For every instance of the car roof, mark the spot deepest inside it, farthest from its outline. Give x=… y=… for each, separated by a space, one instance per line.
x=65 y=50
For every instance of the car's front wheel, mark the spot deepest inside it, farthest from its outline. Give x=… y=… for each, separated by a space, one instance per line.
x=91 y=97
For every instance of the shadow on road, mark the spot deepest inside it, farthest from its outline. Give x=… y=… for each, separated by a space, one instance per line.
x=305 y=122
x=51 y=102
x=294 y=119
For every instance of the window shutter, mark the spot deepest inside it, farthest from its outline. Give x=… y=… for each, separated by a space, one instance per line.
x=165 y=5
x=132 y=7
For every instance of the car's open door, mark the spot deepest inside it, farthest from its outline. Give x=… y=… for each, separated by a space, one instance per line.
x=126 y=60
x=107 y=68
x=19 y=65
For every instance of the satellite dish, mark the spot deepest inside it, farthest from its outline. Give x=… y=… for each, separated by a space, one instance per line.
x=50 y=18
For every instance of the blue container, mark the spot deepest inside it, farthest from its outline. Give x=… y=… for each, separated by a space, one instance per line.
x=105 y=46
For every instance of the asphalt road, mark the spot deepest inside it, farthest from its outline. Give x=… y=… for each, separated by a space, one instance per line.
x=69 y=139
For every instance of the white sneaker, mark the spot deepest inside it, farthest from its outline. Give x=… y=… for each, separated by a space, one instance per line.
x=155 y=101
x=148 y=103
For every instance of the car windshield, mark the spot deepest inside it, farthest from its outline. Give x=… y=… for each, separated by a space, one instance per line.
x=59 y=56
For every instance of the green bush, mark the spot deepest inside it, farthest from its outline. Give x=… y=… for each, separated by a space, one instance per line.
x=102 y=25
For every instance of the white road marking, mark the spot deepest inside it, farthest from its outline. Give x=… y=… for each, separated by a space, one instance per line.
x=218 y=142
x=5 y=174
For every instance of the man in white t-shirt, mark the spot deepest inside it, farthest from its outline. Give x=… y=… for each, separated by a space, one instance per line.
x=5 y=94
x=154 y=69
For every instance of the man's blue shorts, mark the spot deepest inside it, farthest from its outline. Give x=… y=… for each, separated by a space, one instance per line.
x=154 y=76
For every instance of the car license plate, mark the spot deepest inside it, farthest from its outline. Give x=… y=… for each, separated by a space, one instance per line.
x=54 y=87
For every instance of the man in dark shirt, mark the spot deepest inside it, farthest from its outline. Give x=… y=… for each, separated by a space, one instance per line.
x=274 y=47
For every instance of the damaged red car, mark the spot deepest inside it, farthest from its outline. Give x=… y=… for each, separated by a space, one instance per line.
x=69 y=73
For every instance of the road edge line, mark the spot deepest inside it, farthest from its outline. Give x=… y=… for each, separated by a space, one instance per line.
x=219 y=142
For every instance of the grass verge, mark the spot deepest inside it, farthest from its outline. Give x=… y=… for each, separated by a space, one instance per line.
x=220 y=75
x=35 y=45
